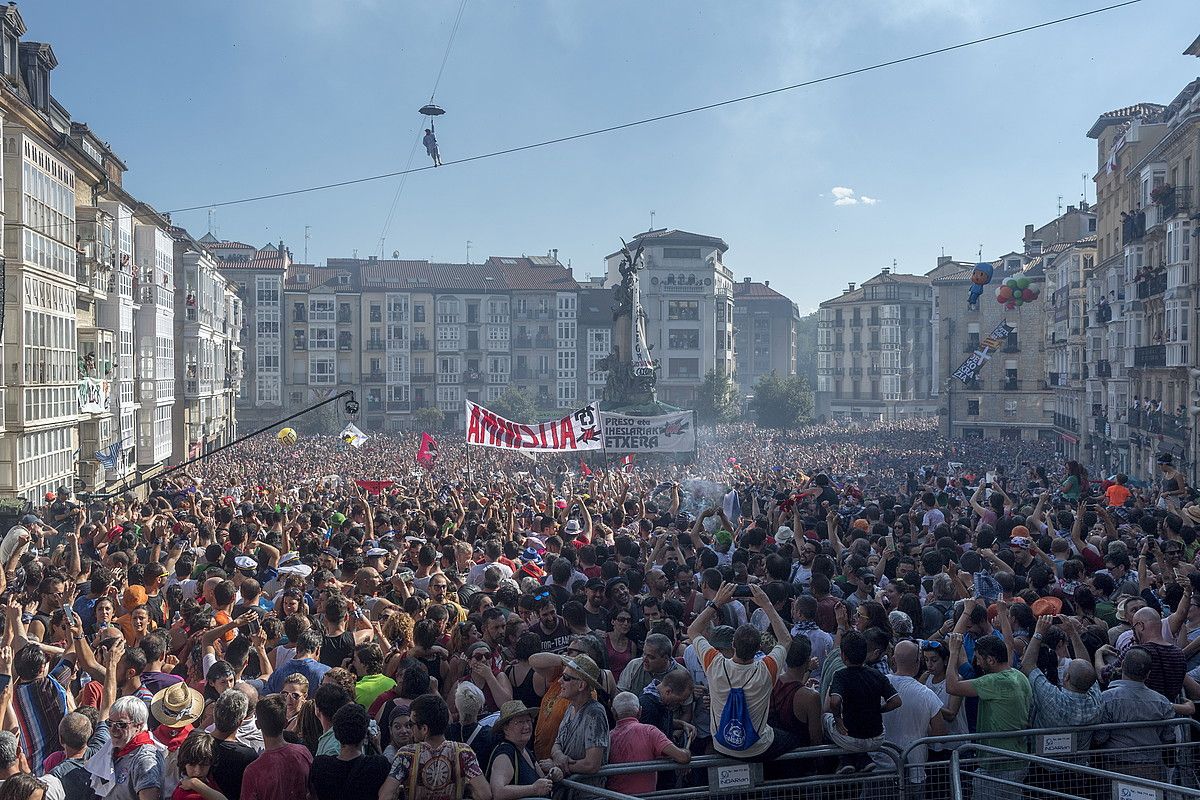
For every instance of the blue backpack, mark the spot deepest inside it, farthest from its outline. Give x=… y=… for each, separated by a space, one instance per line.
x=735 y=731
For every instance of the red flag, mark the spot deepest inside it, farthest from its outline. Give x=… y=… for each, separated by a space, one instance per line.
x=374 y=487
x=428 y=452
x=627 y=462
x=583 y=469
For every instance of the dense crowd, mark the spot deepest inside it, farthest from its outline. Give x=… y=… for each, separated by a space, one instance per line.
x=324 y=621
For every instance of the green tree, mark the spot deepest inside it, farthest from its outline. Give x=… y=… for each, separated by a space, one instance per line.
x=716 y=400
x=516 y=405
x=430 y=418
x=806 y=348
x=782 y=402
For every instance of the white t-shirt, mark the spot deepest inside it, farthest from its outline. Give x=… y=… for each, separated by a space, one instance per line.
x=959 y=723
x=756 y=680
x=910 y=722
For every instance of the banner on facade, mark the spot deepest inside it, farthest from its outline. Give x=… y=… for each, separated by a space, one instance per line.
x=969 y=370
x=93 y=395
x=578 y=431
x=668 y=433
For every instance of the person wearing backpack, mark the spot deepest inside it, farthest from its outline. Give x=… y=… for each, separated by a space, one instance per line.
x=740 y=687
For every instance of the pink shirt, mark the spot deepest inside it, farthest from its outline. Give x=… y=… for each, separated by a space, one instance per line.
x=633 y=741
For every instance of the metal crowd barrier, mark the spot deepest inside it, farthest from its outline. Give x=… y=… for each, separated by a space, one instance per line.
x=1009 y=778
x=1062 y=762
x=798 y=775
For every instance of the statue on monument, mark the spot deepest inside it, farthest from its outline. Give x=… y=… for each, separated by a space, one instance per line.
x=632 y=374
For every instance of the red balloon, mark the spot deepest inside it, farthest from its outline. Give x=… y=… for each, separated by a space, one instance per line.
x=1010 y=305
x=1005 y=294
x=1028 y=295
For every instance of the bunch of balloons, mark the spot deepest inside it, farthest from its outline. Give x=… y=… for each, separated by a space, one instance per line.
x=1016 y=292
x=287 y=436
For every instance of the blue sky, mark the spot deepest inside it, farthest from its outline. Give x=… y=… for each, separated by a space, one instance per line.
x=214 y=101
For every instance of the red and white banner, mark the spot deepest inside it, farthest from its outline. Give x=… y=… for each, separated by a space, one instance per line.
x=579 y=431
x=428 y=452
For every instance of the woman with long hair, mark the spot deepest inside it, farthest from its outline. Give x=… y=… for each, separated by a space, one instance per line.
x=618 y=647
x=1075 y=484
x=871 y=614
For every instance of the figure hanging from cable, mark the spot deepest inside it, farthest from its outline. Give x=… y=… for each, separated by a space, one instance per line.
x=430 y=140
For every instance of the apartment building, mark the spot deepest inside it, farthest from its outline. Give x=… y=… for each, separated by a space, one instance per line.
x=595 y=337
x=207 y=330
x=875 y=349
x=1068 y=270
x=687 y=296
x=1010 y=398
x=257 y=274
x=765 y=325
x=1146 y=157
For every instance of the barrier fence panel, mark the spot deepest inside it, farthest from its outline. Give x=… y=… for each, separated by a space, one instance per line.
x=1084 y=762
x=997 y=774
x=804 y=774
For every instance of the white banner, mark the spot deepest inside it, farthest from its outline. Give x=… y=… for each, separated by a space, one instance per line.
x=93 y=395
x=668 y=433
x=579 y=431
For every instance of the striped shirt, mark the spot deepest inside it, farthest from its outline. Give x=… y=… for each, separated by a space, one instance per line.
x=40 y=705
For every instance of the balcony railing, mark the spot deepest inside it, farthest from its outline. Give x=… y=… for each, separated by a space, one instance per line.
x=521 y=373
x=375 y=344
x=1133 y=227
x=420 y=344
x=1010 y=385
x=543 y=342
x=1153 y=355
x=1176 y=200
x=1152 y=286
x=1104 y=314
x=1160 y=422
x=522 y=342
x=374 y=377
x=1103 y=369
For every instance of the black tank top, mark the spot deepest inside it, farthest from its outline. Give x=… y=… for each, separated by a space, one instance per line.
x=524 y=773
x=524 y=690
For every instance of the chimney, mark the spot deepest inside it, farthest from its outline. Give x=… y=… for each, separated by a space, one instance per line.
x=1028 y=232
x=746 y=279
x=555 y=252
x=766 y=283
x=851 y=289
x=885 y=271
x=944 y=260
x=1070 y=209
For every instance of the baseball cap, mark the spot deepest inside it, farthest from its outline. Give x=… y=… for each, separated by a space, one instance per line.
x=31 y=519
x=595 y=584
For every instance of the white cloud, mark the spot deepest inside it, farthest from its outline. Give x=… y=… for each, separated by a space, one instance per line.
x=845 y=196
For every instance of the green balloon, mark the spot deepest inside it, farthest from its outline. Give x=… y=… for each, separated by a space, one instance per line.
x=1017 y=299
x=1011 y=283
x=1023 y=282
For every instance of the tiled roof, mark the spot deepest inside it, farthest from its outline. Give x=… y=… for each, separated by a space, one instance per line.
x=754 y=290
x=896 y=277
x=673 y=234
x=1150 y=111
x=846 y=297
x=538 y=273
x=319 y=276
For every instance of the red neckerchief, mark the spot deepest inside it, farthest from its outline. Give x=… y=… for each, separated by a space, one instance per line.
x=172 y=738
x=142 y=738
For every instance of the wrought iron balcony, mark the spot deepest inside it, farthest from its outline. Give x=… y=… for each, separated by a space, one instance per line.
x=1152 y=286
x=1153 y=355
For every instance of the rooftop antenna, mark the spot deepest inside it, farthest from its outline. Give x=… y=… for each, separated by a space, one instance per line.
x=212 y=213
x=307 y=228
x=354 y=254
x=651 y=219
x=1085 y=183
x=980 y=257
x=468 y=252
x=1060 y=205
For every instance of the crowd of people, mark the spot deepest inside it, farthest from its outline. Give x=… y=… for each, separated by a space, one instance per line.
x=324 y=621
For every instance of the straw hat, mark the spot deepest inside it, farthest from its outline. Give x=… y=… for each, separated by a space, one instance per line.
x=511 y=710
x=177 y=705
x=586 y=668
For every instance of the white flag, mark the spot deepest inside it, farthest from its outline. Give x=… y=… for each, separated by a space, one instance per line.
x=352 y=436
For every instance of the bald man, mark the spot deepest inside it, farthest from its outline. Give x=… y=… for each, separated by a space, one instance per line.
x=1076 y=701
x=919 y=714
x=1168 y=664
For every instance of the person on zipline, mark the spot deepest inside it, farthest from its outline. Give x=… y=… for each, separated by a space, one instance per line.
x=431 y=147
